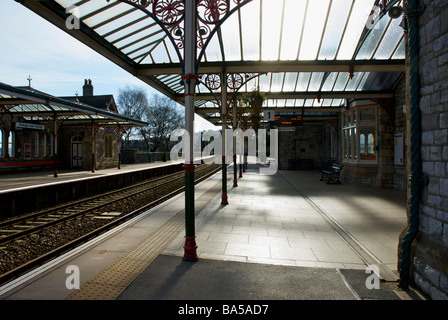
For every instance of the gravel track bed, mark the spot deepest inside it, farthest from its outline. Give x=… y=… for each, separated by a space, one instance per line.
x=19 y=252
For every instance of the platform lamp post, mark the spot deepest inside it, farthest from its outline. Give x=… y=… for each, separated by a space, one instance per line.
x=189 y=25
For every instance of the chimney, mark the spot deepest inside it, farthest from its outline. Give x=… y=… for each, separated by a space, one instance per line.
x=87 y=89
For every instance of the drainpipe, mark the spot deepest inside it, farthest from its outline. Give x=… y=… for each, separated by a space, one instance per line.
x=417 y=181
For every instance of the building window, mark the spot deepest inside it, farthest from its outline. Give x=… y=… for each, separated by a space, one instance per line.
x=359 y=133
x=36 y=144
x=51 y=145
x=44 y=145
x=12 y=144
x=108 y=145
x=2 y=139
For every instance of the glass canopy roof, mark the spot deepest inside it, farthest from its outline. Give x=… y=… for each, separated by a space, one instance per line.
x=301 y=53
x=34 y=105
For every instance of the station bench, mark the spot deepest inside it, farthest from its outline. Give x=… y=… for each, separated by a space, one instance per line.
x=332 y=174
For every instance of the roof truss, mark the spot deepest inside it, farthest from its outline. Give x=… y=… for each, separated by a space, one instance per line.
x=125 y=32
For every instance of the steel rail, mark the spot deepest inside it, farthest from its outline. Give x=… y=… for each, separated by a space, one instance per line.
x=78 y=202
x=36 y=262
x=130 y=191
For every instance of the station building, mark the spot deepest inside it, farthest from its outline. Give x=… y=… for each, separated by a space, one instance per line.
x=42 y=131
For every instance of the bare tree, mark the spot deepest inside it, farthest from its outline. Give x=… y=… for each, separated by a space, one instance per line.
x=133 y=103
x=163 y=117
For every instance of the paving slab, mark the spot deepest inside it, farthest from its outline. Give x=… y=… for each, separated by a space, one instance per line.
x=171 y=278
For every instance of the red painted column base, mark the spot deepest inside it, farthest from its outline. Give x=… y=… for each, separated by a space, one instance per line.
x=190 y=249
x=224 y=198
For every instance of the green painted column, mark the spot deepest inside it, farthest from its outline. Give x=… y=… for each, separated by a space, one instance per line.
x=189 y=77
x=413 y=11
x=224 y=115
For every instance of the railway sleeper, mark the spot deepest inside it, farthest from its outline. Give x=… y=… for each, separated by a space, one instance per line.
x=22 y=226
x=7 y=231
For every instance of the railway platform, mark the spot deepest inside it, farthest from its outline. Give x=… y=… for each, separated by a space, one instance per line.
x=26 y=180
x=30 y=191
x=286 y=236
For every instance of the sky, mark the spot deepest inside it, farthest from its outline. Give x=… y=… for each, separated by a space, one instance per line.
x=56 y=62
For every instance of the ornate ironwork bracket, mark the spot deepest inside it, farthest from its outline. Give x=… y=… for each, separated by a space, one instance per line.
x=93 y=128
x=170 y=16
x=4 y=110
x=55 y=123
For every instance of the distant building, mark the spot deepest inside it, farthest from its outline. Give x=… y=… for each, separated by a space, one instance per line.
x=41 y=131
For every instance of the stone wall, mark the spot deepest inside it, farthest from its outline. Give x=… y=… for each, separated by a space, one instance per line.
x=386 y=130
x=101 y=161
x=400 y=174
x=304 y=145
x=431 y=247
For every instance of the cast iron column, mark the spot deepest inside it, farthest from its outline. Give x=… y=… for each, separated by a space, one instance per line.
x=417 y=180
x=235 y=180
x=189 y=77
x=55 y=145
x=224 y=115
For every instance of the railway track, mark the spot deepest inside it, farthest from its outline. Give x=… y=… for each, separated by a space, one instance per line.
x=15 y=228
x=29 y=241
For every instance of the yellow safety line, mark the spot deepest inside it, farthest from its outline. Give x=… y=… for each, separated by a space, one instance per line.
x=113 y=280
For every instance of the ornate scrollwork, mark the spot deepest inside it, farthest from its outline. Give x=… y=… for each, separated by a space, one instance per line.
x=141 y=3
x=169 y=12
x=212 y=11
x=213 y=81
x=234 y=81
x=177 y=34
x=170 y=15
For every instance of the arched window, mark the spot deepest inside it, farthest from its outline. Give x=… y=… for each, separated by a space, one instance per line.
x=12 y=144
x=111 y=144
x=108 y=145
x=51 y=145
x=362 y=143
x=44 y=145
x=77 y=152
x=359 y=132
x=2 y=141
x=36 y=144
x=371 y=144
